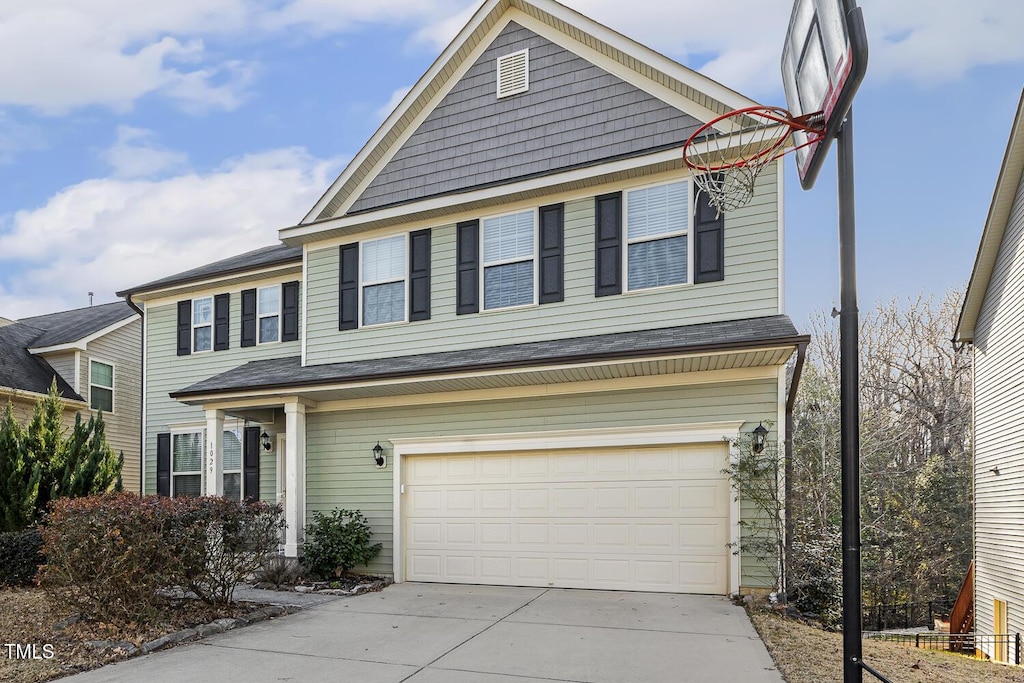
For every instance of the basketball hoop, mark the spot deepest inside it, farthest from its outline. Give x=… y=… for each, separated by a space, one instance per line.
x=726 y=165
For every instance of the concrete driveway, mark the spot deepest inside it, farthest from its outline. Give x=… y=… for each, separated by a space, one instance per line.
x=437 y=633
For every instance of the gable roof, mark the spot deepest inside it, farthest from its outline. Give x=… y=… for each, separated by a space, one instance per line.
x=22 y=371
x=66 y=327
x=683 y=88
x=264 y=257
x=1010 y=174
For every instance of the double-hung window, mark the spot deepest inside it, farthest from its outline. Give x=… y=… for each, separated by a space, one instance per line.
x=268 y=313
x=383 y=280
x=657 y=236
x=187 y=463
x=101 y=386
x=232 y=464
x=509 y=252
x=202 y=324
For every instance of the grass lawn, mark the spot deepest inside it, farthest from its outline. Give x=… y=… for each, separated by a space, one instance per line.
x=805 y=654
x=28 y=617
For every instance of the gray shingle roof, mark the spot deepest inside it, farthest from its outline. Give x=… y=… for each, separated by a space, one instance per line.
x=288 y=372
x=66 y=327
x=20 y=370
x=258 y=258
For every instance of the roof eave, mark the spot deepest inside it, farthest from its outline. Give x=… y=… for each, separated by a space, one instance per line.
x=144 y=292
x=693 y=349
x=1008 y=180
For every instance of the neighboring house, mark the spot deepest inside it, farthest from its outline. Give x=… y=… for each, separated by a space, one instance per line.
x=515 y=292
x=95 y=355
x=992 y=321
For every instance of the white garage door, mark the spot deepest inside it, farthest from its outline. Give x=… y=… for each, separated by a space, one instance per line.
x=650 y=519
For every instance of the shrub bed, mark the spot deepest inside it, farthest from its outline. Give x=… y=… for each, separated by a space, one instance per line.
x=112 y=556
x=20 y=557
x=336 y=543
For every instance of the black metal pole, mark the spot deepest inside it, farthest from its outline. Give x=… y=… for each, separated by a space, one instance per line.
x=849 y=408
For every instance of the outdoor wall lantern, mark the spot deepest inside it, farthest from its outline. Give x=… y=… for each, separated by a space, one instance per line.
x=760 y=436
x=265 y=440
x=378 y=456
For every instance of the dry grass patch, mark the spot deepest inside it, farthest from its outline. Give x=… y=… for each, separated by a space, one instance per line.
x=27 y=616
x=805 y=654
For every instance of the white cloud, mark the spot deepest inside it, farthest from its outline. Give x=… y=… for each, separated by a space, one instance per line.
x=112 y=52
x=107 y=234
x=135 y=155
x=396 y=97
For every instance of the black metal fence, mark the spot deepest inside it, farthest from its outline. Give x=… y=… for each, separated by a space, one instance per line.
x=1003 y=647
x=906 y=614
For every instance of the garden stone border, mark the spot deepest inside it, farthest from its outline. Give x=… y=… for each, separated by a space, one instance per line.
x=195 y=632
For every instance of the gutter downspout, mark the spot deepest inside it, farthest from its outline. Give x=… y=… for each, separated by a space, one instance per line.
x=801 y=352
x=142 y=394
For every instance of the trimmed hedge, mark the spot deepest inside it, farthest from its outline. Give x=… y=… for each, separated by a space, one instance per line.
x=113 y=557
x=20 y=557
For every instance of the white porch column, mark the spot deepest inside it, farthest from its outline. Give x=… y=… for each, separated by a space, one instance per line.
x=295 y=477
x=214 y=453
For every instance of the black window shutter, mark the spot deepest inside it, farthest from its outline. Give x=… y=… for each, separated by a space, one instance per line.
x=467 y=256
x=221 y=321
x=163 y=464
x=290 y=311
x=251 y=463
x=184 y=328
x=552 y=267
x=348 y=299
x=709 y=241
x=419 y=275
x=248 y=317
x=608 y=244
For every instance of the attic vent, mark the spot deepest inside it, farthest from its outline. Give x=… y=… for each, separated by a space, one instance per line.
x=514 y=73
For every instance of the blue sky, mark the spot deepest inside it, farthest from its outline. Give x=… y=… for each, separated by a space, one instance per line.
x=142 y=139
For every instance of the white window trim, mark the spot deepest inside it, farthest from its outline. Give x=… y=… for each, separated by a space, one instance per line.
x=213 y=319
x=113 y=382
x=259 y=316
x=484 y=265
x=202 y=457
x=688 y=234
x=404 y=279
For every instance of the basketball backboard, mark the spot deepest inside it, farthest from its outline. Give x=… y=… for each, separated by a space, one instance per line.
x=823 y=62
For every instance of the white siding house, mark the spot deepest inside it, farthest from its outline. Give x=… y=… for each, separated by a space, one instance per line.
x=992 y=321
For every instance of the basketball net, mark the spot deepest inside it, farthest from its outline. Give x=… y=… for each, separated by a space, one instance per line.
x=726 y=165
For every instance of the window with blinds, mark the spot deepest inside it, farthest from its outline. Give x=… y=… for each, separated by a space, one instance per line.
x=657 y=236
x=383 y=274
x=268 y=313
x=509 y=246
x=232 y=464
x=187 y=464
x=101 y=386
x=202 y=324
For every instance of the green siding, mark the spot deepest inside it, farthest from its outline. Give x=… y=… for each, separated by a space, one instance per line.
x=167 y=372
x=340 y=472
x=750 y=289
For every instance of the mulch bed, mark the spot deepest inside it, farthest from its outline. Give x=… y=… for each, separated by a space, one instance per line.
x=28 y=618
